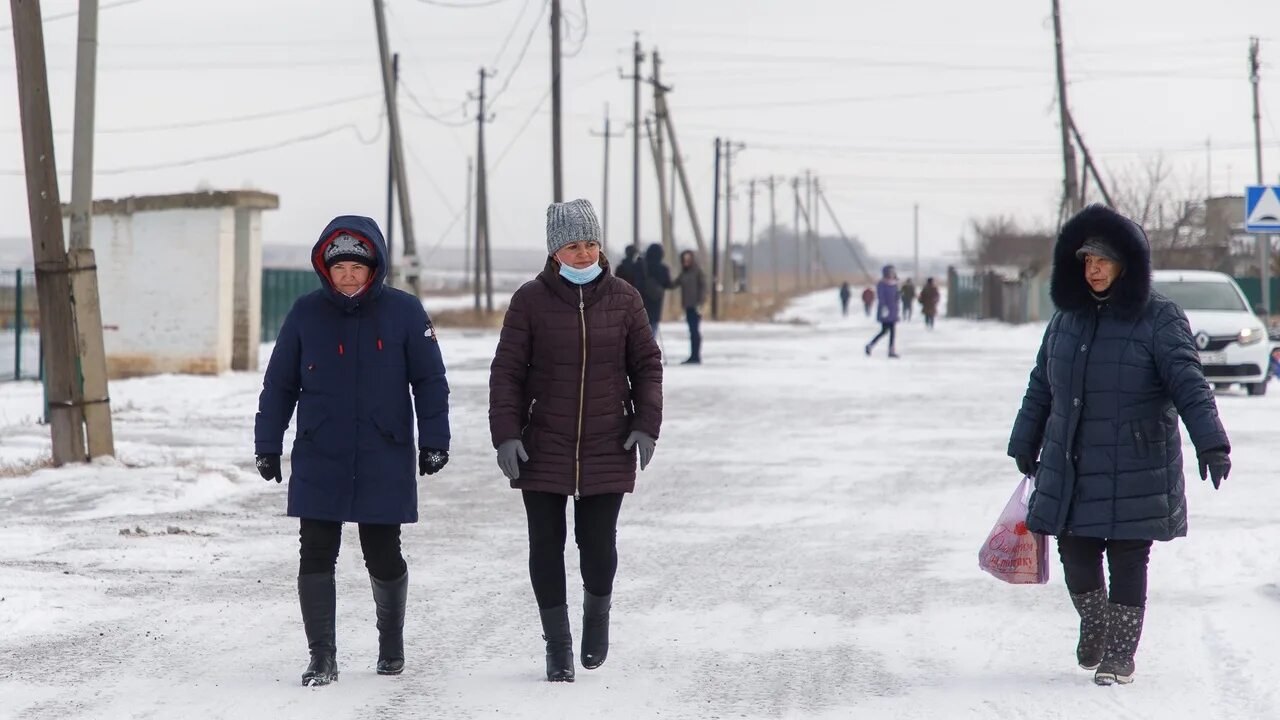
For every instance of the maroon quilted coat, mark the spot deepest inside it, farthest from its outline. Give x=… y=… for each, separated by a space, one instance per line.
x=574 y=416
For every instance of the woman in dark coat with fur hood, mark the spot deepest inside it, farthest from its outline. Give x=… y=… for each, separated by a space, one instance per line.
x=1098 y=429
x=575 y=391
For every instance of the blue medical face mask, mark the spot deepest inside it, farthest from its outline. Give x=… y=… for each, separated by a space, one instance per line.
x=580 y=277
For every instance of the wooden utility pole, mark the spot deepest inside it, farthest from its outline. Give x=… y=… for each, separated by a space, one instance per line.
x=391 y=171
x=557 y=184
x=53 y=282
x=637 y=58
x=810 y=254
x=715 y=240
x=685 y=187
x=730 y=148
x=660 y=157
x=773 y=236
x=857 y=257
x=814 y=217
x=92 y=391
x=1264 y=241
x=751 y=235
x=608 y=136
x=663 y=212
x=466 y=233
x=1070 y=184
x=410 y=270
x=800 y=249
x=483 y=255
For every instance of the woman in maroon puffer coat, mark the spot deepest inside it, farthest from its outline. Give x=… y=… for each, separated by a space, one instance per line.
x=575 y=391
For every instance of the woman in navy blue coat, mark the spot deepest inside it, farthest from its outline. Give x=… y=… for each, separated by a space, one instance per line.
x=1115 y=371
x=347 y=356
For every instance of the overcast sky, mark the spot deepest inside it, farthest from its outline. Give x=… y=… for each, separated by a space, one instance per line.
x=945 y=104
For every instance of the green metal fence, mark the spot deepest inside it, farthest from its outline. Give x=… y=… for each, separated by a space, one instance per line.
x=19 y=325
x=1251 y=285
x=280 y=288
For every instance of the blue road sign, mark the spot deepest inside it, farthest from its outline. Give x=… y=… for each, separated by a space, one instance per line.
x=1262 y=209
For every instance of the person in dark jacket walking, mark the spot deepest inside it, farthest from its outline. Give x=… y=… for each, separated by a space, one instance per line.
x=347 y=356
x=868 y=300
x=575 y=391
x=908 y=295
x=631 y=269
x=657 y=281
x=845 y=295
x=929 y=299
x=887 y=310
x=1098 y=430
x=693 y=293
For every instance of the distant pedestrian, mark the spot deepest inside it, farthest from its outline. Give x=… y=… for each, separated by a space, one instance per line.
x=693 y=293
x=929 y=298
x=657 y=281
x=1098 y=430
x=845 y=294
x=908 y=293
x=575 y=390
x=347 y=357
x=868 y=301
x=631 y=269
x=888 y=301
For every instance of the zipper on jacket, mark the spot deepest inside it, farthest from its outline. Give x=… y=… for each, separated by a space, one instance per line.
x=529 y=420
x=582 y=398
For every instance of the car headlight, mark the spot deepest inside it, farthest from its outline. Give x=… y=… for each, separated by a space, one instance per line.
x=1250 y=336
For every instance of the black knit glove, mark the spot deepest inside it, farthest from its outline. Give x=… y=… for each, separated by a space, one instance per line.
x=1026 y=465
x=1215 y=465
x=430 y=460
x=268 y=467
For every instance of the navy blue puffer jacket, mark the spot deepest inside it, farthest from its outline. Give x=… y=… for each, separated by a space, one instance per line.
x=1101 y=409
x=348 y=363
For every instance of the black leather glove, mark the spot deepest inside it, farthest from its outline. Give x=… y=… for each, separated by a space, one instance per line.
x=1026 y=465
x=431 y=460
x=268 y=467
x=1215 y=465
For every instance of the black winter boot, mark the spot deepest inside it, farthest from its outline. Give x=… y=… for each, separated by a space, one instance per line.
x=595 y=629
x=1092 y=607
x=1124 y=628
x=555 y=630
x=318 y=598
x=389 y=598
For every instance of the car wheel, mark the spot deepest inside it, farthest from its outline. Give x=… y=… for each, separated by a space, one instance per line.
x=1257 y=389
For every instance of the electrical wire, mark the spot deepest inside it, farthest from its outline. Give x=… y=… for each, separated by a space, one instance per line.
x=76 y=13
x=424 y=112
x=523 y=51
x=582 y=39
x=462 y=5
x=510 y=34
x=524 y=126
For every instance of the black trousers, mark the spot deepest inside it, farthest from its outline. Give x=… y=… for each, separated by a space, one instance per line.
x=694 y=318
x=928 y=321
x=319 y=541
x=1126 y=561
x=595 y=528
x=890 y=329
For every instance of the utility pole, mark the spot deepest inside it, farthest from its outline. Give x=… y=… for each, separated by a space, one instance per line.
x=715 y=240
x=410 y=253
x=773 y=236
x=1264 y=241
x=556 y=173
x=483 y=255
x=391 y=169
x=608 y=136
x=814 y=216
x=53 y=283
x=678 y=159
x=730 y=148
x=810 y=253
x=634 y=77
x=659 y=163
x=915 y=234
x=91 y=392
x=857 y=257
x=751 y=234
x=466 y=233
x=1070 y=186
x=800 y=250
x=660 y=156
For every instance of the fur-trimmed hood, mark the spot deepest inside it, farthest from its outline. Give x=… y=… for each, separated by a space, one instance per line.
x=1131 y=291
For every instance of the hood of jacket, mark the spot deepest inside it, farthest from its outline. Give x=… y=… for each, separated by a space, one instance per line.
x=654 y=254
x=1131 y=291
x=367 y=231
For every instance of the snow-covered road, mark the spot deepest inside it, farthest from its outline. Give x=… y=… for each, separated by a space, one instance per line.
x=803 y=546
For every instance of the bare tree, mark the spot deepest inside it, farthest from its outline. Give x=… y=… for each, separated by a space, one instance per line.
x=1000 y=242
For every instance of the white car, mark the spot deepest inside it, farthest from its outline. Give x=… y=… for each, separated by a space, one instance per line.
x=1232 y=341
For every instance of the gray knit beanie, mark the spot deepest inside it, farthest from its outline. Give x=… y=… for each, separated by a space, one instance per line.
x=571 y=222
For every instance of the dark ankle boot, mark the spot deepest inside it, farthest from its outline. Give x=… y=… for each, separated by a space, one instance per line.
x=389 y=598
x=1092 y=607
x=1124 y=628
x=595 y=629
x=555 y=630
x=318 y=599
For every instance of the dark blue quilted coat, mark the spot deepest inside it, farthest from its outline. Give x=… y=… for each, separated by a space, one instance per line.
x=1102 y=406
x=348 y=364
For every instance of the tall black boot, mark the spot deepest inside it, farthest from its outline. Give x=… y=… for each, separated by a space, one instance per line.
x=389 y=598
x=595 y=629
x=318 y=599
x=1092 y=607
x=555 y=630
x=1124 y=629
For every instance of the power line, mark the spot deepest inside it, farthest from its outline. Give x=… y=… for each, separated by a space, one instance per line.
x=582 y=39
x=510 y=34
x=76 y=13
x=524 y=126
x=432 y=116
x=462 y=5
x=523 y=50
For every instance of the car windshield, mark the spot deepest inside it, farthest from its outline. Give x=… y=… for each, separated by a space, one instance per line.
x=1191 y=295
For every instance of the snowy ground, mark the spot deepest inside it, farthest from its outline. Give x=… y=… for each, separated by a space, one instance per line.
x=804 y=546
